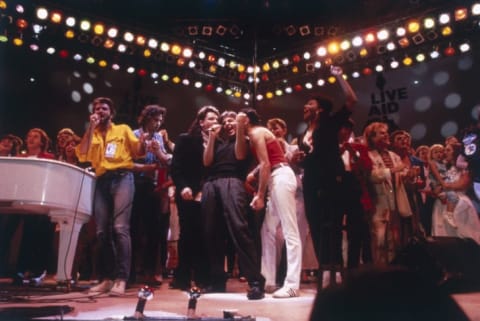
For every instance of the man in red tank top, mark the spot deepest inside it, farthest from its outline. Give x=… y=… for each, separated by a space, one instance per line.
x=274 y=173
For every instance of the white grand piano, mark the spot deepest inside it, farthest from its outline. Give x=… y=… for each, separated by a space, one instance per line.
x=48 y=187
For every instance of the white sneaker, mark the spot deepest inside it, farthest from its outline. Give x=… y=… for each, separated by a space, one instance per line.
x=102 y=287
x=118 y=288
x=284 y=293
x=448 y=216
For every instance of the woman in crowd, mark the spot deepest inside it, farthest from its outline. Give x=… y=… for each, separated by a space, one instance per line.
x=465 y=216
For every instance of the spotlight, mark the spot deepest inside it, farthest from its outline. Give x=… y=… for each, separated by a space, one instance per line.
x=70 y=22
x=449 y=51
x=304 y=30
x=345 y=45
x=434 y=54
x=42 y=13
x=309 y=67
x=413 y=26
x=394 y=64
x=121 y=47
x=4 y=38
x=112 y=32
x=420 y=57
x=461 y=14
x=339 y=59
x=140 y=40
x=391 y=46
x=128 y=36
x=464 y=47
x=476 y=9
x=319 y=31
x=290 y=30
x=444 y=18
x=357 y=41
x=192 y=30
x=351 y=55
x=83 y=37
x=232 y=74
x=429 y=23
x=130 y=50
x=22 y=23
x=407 y=61
x=381 y=50
x=165 y=47
x=96 y=41
x=56 y=17
x=221 y=30
x=383 y=34
x=404 y=42
x=85 y=25
x=207 y=31
x=176 y=49
x=98 y=28
x=198 y=66
x=418 y=39
x=332 y=31
x=235 y=30
x=18 y=39
x=431 y=35
x=446 y=31
x=159 y=56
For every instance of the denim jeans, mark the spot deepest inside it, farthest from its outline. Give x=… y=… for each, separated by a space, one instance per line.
x=112 y=210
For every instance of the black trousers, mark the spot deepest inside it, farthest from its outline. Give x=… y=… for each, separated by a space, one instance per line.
x=324 y=212
x=192 y=265
x=149 y=228
x=224 y=210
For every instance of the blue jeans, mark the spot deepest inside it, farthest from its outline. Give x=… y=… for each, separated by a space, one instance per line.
x=112 y=210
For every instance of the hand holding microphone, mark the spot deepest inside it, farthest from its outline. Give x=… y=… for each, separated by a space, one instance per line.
x=94 y=120
x=215 y=129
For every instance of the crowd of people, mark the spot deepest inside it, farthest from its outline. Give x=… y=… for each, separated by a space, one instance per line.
x=285 y=208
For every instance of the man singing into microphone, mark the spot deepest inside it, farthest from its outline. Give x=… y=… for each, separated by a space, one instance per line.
x=111 y=149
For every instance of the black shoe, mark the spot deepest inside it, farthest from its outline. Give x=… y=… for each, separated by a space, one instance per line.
x=255 y=292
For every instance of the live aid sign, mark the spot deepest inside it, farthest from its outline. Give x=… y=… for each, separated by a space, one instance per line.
x=386 y=102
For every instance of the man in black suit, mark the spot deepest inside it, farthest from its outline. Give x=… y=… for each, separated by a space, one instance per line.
x=187 y=175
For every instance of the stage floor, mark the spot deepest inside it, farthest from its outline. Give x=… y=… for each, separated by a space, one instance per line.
x=165 y=304
x=169 y=304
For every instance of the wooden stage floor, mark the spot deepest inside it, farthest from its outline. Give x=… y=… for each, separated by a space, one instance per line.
x=165 y=304
x=169 y=304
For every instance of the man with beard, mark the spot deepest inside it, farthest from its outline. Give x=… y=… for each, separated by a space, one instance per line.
x=111 y=149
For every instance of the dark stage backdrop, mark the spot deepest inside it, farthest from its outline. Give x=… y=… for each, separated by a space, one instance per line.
x=431 y=100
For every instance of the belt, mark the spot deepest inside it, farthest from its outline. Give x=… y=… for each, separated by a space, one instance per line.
x=277 y=166
x=116 y=173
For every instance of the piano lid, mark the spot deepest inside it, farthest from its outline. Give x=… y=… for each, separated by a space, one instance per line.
x=40 y=186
